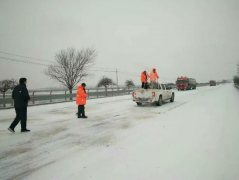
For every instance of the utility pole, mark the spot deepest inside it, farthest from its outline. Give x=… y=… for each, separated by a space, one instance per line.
x=117 y=78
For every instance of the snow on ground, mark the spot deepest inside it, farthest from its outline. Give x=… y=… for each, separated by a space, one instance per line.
x=194 y=138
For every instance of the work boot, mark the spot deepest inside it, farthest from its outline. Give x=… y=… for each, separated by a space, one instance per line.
x=11 y=129
x=25 y=130
x=83 y=115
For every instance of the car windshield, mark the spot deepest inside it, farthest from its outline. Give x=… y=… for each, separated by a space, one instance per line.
x=181 y=81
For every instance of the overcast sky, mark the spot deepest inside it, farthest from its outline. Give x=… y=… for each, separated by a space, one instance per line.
x=194 y=38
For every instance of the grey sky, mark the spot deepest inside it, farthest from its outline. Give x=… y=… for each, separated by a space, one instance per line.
x=194 y=38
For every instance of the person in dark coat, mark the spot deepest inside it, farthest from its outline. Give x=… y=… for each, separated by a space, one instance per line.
x=21 y=97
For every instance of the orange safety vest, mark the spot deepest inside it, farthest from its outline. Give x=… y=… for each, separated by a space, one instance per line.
x=81 y=96
x=144 y=77
x=153 y=76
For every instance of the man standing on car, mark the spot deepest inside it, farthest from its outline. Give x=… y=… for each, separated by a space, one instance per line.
x=21 y=97
x=144 y=78
x=153 y=75
x=81 y=100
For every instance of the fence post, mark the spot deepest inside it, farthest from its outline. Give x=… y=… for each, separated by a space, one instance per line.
x=65 y=96
x=105 y=92
x=112 y=92
x=97 y=92
x=88 y=94
x=12 y=101
x=50 y=97
x=33 y=98
x=4 y=105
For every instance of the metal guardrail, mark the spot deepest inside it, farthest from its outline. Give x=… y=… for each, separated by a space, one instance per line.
x=39 y=97
x=54 y=96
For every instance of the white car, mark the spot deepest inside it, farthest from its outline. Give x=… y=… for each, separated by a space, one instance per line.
x=156 y=94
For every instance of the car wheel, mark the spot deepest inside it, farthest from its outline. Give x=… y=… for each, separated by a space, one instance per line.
x=139 y=104
x=160 y=101
x=172 y=98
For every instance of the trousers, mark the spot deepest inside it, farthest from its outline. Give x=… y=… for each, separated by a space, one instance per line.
x=143 y=84
x=81 y=110
x=21 y=115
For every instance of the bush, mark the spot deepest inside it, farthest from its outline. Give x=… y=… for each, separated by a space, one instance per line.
x=236 y=79
x=129 y=83
x=105 y=82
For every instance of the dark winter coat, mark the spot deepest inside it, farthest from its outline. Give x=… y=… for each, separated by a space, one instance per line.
x=21 y=96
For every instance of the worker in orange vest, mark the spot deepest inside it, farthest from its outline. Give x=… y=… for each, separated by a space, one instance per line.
x=153 y=75
x=81 y=100
x=144 y=78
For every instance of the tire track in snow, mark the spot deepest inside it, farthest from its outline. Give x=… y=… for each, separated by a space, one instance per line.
x=177 y=106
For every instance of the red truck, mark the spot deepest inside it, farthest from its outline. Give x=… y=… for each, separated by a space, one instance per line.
x=212 y=83
x=184 y=83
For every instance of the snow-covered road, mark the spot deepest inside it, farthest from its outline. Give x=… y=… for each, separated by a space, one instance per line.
x=194 y=138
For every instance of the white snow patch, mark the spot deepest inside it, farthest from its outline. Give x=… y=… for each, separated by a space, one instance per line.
x=194 y=138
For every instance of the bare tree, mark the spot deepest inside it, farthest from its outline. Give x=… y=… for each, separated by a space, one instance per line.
x=105 y=82
x=129 y=83
x=7 y=84
x=71 y=66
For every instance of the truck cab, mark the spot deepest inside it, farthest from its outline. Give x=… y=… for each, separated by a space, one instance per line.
x=156 y=94
x=212 y=83
x=184 y=83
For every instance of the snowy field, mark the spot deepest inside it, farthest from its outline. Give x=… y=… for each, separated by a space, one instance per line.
x=194 y=138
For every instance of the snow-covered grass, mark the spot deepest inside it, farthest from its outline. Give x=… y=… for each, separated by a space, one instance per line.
x=194 y=138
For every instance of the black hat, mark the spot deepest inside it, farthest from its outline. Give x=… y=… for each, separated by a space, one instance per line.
x=22 y=80
x=144 y=71
x=83 y=84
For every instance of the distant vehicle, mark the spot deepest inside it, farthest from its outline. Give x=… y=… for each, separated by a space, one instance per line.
x=212 y=83
x=156 y=94
x=184 y=83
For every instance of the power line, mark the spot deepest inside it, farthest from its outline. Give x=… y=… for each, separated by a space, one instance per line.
x=44 y=59
x=106 y=68
x=102 y=71
x=40 y=60
x=40 y=64
x=22 y=61
x=94 y=69
x=49 y=61
x=127 y=73
x=25 y=57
